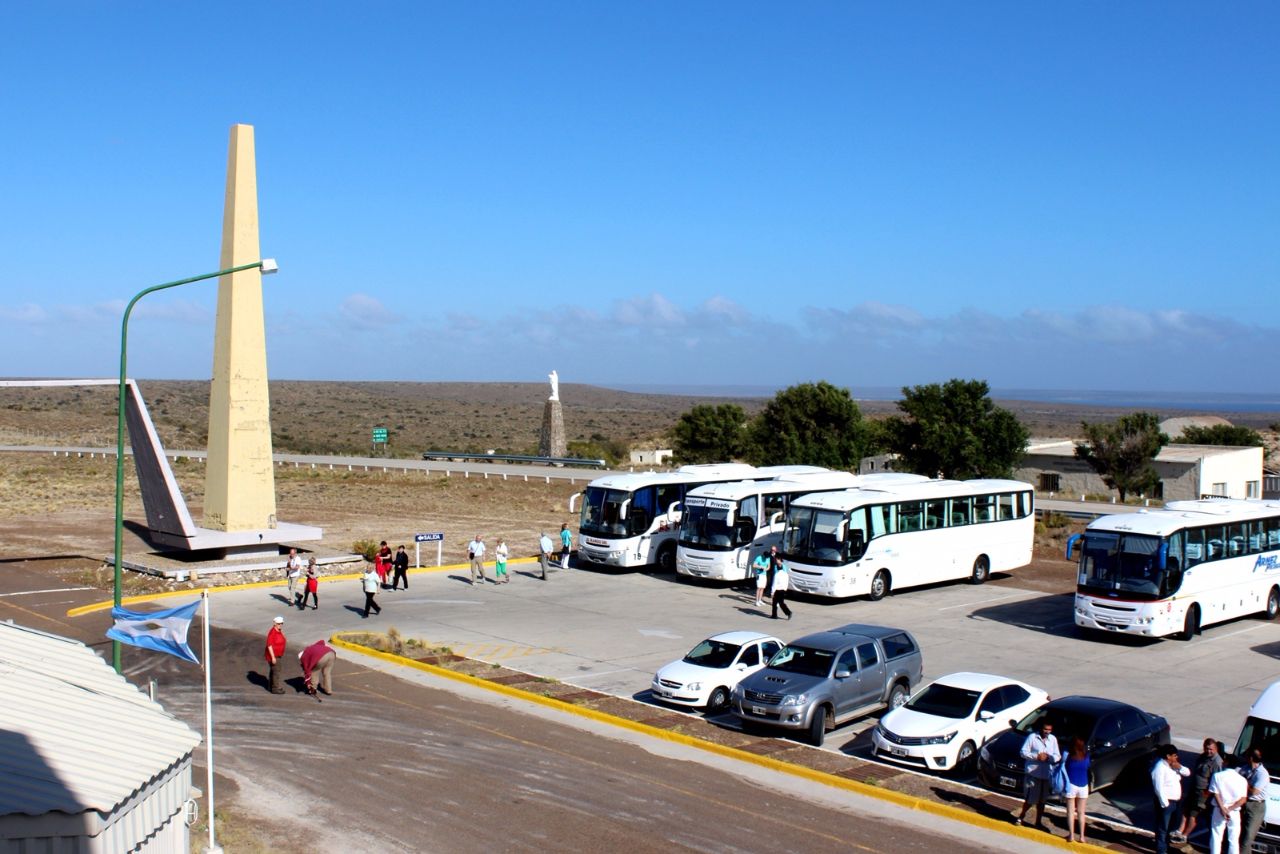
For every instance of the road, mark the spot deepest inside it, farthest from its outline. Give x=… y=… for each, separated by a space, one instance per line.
x=610 y=632
x=398 y=762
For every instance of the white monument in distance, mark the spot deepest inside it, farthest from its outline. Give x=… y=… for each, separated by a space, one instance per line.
x=555 y=385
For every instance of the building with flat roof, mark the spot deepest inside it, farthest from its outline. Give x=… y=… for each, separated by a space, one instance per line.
x=1186 y=471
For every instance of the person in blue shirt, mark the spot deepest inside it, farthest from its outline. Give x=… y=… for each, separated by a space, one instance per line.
x=761 y=567
x=566 y=544
x=1255 y=805
x=1077 y=793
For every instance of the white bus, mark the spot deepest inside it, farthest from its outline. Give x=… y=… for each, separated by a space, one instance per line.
x=868 y=541
x=725 y=525
x=1162 y=572
x=630 y=519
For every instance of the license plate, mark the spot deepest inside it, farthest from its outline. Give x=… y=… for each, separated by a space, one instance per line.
x=758 y=710
x=660 y=692
x=1112 y=628
x=898 y=751
x=1008 y=782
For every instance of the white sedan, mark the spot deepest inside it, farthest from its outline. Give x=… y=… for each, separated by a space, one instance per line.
x=942 y=727
x=705 y=676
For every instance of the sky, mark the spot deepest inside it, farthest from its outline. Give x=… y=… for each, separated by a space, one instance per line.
x=1039 y=195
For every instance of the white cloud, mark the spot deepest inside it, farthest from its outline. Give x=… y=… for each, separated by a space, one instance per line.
x=652 y=312
x=28 y=313
x=365 y=312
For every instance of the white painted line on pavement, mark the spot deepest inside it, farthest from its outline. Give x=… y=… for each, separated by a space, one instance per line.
x=50 y=590
x=981 y=601
x=1202 y=641
x=604 y=673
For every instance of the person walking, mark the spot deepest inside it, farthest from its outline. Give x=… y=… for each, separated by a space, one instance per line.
x=566 y=545
x=781 y=583
x=1197 y=799
x=500 y=553
x=1166 y=786
x=1229 y=792
x=1077 y=794
x=1257 y=780
x=475 y=552
x=761 y=567
x=545 y=546
x=401 y=564
x=318 y=658
x=275 y=649
x=311 y=590
x=292 y=572
x=1039 y=753
x=381 y=568
x=371 y=586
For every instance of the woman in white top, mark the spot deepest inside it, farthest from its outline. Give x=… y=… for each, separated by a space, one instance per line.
x=500 y=553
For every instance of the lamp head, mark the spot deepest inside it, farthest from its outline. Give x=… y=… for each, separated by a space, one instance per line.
x=269 y=266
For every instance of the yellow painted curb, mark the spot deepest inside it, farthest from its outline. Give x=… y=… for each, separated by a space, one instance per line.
x=900 y=799
x=81 y=610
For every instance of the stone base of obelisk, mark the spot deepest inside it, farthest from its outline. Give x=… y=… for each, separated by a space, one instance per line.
x=552 y=443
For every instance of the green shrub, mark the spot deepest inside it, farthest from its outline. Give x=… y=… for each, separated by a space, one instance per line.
x=366 y=548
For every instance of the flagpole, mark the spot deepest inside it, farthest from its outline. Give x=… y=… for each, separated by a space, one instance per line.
x=208 y=723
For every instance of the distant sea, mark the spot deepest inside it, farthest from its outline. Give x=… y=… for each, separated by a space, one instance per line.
x=1208 y=401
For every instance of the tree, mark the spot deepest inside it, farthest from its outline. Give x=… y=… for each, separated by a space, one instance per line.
x=1221 y=434
x=954 y=430
x=1123 y=452
x=812 y=424
x=710 y=434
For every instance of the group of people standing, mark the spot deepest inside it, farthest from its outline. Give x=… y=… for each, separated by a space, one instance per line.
x=774 y=577
x=302 y=590
x=1235 y=799
x=476 y=551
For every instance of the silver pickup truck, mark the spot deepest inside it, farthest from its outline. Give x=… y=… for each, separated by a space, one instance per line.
x=826 y=679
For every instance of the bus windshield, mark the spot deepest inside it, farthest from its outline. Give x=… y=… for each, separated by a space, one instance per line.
x=707 y=527
x=1126 y=564
x=814 y=536
x=601 y=512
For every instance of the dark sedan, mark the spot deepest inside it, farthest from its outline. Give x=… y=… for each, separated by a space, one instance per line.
x=1118 y=736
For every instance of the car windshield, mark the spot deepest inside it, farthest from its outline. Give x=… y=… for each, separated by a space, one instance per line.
x=945 y=701
x=713 y=653
x=1067 y=723
x=803 y=660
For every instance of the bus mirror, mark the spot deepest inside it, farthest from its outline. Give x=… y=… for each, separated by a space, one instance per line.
x=842 y=530
x=622 y=511
x=673 y=510
x=728 y=519
x=775 y=518
x=1071 y=544
x=1162 y=559
x=573 y=499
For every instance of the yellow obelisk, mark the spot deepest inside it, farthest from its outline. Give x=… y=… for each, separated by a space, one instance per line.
x=239 y=492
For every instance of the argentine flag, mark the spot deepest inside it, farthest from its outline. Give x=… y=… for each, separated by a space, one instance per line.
x=162 y=631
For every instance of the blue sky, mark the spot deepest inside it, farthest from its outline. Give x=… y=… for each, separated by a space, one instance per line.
x=1070 y=195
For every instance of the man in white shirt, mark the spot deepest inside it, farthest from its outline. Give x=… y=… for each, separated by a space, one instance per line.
x=293 y=571
x=1254 y=812
x=1228 y=790
x=475 y=550
x=545 y=545
x=1166 y=785
x=1039 y=751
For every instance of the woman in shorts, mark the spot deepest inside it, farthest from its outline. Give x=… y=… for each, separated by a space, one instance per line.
x=1077 y=794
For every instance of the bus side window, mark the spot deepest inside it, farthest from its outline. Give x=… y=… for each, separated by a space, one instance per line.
x=960 y=510
x=1194 y=546
x=1005 y=506
x=984 y=508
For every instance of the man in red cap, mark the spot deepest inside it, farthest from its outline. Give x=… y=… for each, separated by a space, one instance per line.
x=275 y=649
x=319 y=658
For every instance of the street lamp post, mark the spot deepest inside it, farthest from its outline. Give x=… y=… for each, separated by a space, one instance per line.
x=267 y=265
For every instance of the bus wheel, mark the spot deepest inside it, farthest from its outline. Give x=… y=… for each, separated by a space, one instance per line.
x=1191 y=626
x=879 y=586
x=667 y=557
x=1273 y=603
x=981 y=570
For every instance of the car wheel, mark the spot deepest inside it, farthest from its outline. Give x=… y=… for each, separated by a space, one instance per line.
x=981 y=570
x=818 y=726
x=1273 y=603
x=897 y=696
x=667 y=557
x=1191 y=625
x=718 y=701
x=966 y=759
x=879 y=586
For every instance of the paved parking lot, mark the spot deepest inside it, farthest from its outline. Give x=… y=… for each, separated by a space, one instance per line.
x=610 y=632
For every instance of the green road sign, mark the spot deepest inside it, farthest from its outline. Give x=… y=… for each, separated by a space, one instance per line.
x=379 y=434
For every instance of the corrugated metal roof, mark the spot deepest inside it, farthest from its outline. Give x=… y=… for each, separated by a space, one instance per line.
x=75 y=735
x=1172 y=453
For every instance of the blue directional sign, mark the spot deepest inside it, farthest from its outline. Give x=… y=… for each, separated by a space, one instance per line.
x=433 y=537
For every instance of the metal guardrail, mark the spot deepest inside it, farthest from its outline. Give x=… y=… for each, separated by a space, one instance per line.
x=513 y=458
